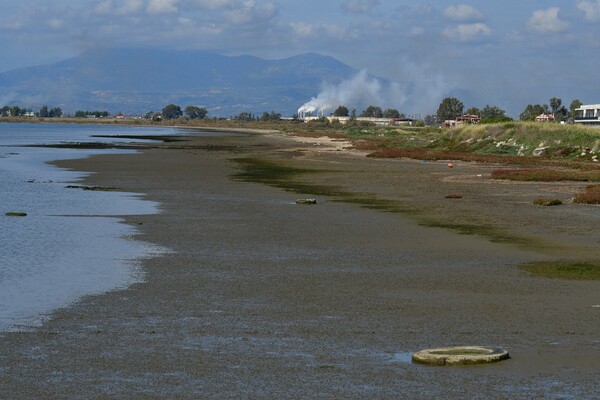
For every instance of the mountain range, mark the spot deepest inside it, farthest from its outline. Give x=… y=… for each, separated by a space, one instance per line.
x=135 y=81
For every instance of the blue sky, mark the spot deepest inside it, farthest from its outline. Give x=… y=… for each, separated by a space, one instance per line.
x=508 y=53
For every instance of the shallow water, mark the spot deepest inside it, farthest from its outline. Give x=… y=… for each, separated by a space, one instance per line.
x=62 y=249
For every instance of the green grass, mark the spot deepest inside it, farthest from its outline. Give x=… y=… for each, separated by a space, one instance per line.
x=572 y=270
x=510 y=142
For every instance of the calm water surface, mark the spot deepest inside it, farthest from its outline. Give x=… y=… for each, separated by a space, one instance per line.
x=63 y=249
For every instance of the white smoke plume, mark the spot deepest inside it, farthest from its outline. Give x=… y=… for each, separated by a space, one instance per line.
x=359 y=90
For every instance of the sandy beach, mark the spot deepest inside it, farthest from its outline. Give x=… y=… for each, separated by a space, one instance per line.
x=259 y=297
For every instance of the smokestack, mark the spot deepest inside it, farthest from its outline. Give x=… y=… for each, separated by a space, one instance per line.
x=360 y=90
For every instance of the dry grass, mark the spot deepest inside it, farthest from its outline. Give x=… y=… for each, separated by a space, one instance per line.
x=590 y=196
x=430 y=154
x=546 y=175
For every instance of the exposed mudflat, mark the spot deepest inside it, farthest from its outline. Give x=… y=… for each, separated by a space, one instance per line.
x=263 y=298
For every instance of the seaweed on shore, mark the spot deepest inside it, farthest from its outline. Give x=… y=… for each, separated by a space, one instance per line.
x=161 y=138
x=564 y=269
x=93 y=188
x=87 y=146
x=289 y=178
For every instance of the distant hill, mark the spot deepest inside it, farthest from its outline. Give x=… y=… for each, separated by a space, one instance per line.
x=140 y=80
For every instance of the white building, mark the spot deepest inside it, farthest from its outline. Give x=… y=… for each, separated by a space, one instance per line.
x=588 y=114
x=375 y=121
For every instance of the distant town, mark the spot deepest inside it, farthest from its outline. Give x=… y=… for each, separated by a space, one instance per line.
x=451 y=112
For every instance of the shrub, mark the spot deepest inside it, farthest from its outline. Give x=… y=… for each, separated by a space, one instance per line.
x=591 y=195
x=544 y=201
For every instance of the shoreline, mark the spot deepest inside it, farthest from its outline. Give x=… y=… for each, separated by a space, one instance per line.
x=262 y=298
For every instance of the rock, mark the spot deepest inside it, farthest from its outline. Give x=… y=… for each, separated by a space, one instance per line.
x=306 y=201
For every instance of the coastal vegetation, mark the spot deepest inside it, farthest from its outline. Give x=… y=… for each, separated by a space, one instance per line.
x=547 y=202
x=564 y=269
x=591 y=195
x=15 y=214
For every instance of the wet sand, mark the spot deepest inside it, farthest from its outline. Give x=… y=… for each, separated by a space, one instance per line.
x=263 y=298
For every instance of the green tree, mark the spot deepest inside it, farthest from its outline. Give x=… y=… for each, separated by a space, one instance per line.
x=17 y=111
x=272 y=116
x=372 y=112
x=560 y=112
x=44 y=111
x=171 y=111
x=55 y=112
x=194 y=112
x=392 y=113
x=353 y=114
x=575 y=104
x=341 y=111
x=555 y=104
x=449 y=108
x=532 y=111
x=430 y=120
x=244 y=116
x=474 y=111
x=489 y=112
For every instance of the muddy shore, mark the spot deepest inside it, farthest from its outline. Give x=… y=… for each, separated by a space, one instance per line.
x=261 y=298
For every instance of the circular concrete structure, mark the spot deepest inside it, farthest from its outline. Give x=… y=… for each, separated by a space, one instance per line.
x=460 y=355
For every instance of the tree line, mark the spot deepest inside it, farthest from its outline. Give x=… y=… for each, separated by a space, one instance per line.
x=369 y=112
x=173 y=111
x=44 y=112
x=450 y=108
x=554 y=107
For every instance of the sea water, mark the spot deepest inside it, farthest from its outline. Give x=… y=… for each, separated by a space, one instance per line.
x=71 y=243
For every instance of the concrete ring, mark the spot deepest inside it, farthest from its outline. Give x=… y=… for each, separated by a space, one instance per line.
x=460 y=355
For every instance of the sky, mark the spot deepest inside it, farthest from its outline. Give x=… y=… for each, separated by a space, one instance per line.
x=506 y=53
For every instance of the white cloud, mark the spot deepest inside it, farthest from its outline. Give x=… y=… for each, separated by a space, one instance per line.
x=463 y=13
x=302 y=29
x=322 y=31
x=359 y=7
x=213 y=4
x=417 y=31
x=14 y=24
x=468 y=32
x=130 y=7
x=104 y=7
x=55 y=23
x=546 y=21
x=591 y=9
x=163 y=6
x=107 y=7
x=248 y=12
